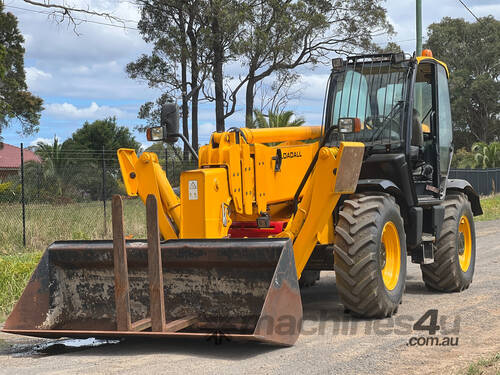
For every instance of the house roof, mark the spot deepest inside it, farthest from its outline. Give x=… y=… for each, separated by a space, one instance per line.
x=10 y=157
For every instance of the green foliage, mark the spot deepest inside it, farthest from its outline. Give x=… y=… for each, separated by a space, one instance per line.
x=90 y=146
x=16 y=102
x=100 y=135
x=391 y=47
x=270 y=38
x=463 y=159
x=55 y=167
x=486 y=155
x=276 y=119
x=15 y=271
x=472 y=52
x=10 y=191
x=485 y=366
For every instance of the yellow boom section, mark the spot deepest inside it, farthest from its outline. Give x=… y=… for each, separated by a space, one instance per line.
x=239 y=180
x=143 y=176
x=336 y=173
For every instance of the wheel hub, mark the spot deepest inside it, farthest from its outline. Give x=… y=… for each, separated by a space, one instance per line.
x=383 y=256
x=464 y=243
x=390 y=255
x=461 y=243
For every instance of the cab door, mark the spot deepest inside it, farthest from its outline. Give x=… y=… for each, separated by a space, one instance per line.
x=445 y=129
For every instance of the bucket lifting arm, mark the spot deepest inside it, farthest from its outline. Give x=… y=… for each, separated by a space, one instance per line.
x=336 y=173
x=143 y=176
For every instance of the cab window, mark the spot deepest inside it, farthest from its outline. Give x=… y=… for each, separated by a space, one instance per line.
x=444 y=118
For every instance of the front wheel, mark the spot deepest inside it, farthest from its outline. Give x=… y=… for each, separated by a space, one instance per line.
x=455 y=254
x=370 y=255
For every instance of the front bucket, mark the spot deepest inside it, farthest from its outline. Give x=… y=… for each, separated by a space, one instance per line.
x=233 y=288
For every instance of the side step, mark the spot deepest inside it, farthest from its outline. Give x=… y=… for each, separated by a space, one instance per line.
x=424 y=253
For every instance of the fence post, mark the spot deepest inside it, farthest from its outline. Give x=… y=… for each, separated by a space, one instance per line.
x=104 y=191
x=23 y=203
x=166 y=159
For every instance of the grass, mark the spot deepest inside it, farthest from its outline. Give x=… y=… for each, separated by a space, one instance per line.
x=46 y=224
x=491 y=208
x=15 y=271
x=485 y=366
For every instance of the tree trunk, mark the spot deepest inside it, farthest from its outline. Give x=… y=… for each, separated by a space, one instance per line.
x=250 y=98
x=217 y=74
x=195 y=74
x=185 y=109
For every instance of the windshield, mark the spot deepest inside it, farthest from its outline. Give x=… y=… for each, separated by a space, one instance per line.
x=373 y=92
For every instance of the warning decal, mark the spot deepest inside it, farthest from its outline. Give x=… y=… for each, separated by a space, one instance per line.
x=193 y=190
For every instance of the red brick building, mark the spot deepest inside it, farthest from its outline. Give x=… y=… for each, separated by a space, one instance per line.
x=10 y=160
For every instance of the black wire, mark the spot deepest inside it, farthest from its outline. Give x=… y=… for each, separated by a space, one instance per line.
x=470 y=11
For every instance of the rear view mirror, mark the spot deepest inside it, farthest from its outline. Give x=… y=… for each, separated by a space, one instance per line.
x=170 y=122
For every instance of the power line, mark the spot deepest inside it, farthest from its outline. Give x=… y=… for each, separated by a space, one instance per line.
x=470 y=11
x=74 y=18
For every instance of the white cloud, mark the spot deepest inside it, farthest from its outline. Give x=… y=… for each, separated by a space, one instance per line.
x=67 y=69
x=67 y=110
x=48 y=141
x=36 y=77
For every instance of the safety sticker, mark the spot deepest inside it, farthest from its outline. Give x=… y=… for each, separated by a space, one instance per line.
x=193 y=190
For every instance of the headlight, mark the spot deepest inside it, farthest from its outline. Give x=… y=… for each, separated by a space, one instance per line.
x=349 y=125
x=155 y=134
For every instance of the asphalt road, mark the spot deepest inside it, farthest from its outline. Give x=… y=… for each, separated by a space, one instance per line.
x=329 y=344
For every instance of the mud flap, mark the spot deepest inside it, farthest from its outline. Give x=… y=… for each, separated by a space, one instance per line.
x=237 y=288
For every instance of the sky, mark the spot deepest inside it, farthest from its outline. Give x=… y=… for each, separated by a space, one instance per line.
x=82 y=77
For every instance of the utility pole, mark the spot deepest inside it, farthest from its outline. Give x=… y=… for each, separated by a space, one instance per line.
x=419 y=27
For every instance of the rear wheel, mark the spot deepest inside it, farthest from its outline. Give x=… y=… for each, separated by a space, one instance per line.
x=455 y=254
x=370 y=255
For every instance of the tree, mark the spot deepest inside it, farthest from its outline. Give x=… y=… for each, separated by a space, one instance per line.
x=56 y=164
x=280 y=35
x=101 y=135
x=16 y=102
x=270 y=38
x=173 y=29
x=472 y=52
x=276 y=119
x=93 y=148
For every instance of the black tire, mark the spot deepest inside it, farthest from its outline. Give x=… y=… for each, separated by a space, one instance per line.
x=446 y=274
x=308 y=278
x=357 y=259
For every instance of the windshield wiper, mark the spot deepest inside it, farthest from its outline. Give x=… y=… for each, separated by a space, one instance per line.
x=387 y=120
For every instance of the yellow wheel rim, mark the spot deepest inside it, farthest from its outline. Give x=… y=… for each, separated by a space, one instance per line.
x=464 y=243
x=390 y=255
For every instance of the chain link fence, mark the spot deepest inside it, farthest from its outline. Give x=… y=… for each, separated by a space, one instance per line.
x=68 y=197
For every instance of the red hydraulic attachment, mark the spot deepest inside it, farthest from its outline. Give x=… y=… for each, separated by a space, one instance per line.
x=249 y=229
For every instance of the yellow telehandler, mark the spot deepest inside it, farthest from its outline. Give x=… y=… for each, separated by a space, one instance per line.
x=269 y=207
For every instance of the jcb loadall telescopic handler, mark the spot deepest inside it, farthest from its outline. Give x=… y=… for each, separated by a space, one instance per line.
x=267 y=207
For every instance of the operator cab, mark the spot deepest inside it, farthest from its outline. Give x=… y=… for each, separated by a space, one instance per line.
x=399 y=108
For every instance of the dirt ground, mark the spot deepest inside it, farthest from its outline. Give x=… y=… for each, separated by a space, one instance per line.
x=331 y=342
